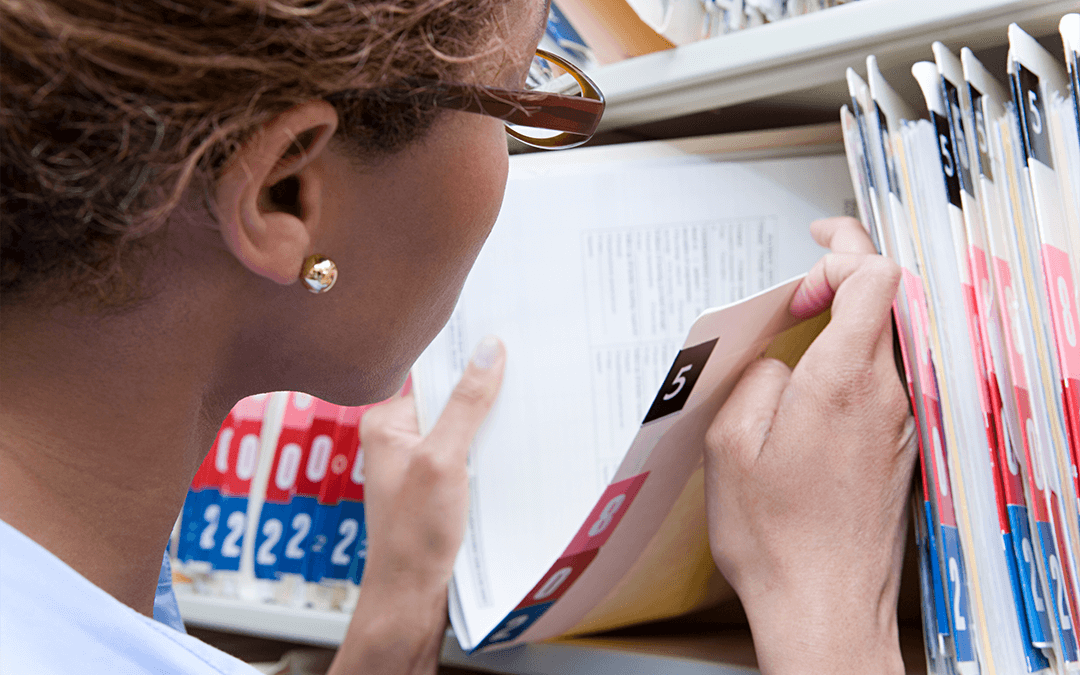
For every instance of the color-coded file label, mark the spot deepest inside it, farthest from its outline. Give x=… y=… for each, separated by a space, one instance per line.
x=559 y=578
x=276 y=539
x=515 y=623
x=606 y=515
x=680 y=381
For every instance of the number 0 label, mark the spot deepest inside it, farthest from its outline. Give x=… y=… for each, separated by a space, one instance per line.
x=559 y=578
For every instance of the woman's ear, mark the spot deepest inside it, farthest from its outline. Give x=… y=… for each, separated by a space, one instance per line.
x=269 y=197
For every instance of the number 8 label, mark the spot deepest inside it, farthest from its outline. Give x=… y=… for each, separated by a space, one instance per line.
x=606 y=515
x=610 y=509
x=1061 y=292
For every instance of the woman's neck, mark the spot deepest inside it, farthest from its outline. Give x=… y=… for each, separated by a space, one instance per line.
x=103 y=426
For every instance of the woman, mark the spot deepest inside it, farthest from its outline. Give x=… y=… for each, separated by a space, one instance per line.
x=173 y=168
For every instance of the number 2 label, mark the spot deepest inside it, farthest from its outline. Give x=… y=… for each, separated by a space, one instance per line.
x=515 y=623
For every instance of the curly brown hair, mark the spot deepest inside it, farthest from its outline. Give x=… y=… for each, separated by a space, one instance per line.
x=109 y=109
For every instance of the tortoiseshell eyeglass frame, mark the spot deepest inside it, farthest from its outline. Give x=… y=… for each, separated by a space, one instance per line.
x=574 y=117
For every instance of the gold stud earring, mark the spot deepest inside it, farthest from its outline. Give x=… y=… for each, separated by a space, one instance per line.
x=318 y=273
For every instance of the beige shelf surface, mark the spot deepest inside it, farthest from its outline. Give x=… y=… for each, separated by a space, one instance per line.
x=714 y=651
x=802 y=61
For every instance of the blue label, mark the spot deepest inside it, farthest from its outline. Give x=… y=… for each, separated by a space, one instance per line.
x=324 y=528
x=345 y=541
x=198 y=526
x=960 y=616
x=941 y=607
x=515 y=623
x=356 y=570
x=232 y=523
x=1038 y=619
x=1032 y=656
x=297 y=535
x=1066 y=630
x=270 y=539
x=931 y=639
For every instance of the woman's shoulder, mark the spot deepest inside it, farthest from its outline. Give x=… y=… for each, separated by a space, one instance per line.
x=54 y=620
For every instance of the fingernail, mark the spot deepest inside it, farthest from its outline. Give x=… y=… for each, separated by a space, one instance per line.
x=486 y=352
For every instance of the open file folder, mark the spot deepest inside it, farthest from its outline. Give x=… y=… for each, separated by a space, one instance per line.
x=587 y=506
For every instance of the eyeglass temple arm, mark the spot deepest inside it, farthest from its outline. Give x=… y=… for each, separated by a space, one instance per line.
x=571 y=114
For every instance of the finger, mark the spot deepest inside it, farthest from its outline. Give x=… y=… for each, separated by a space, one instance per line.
x=815 y=294
x=387 y=423
x=739 y=430
x=842 y=235
x=471 y=399
x=865 y=287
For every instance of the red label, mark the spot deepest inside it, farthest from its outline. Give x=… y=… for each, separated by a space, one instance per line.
x=318 y=450
x=606 y=515
x=1034 y=474
x=935 y=465
x=208 y=474
x=1070 y=395
x=1061 y=290
x=1062 y=294
x=983 y=304
x=560 y=577
x=242 y=458
x=942 y=488
x=353 y=488
x=920 y=328
x=298 y=411
x=1008 y=457
x=289 y=454
x=251 y=407
x=906 y=353
x=1009 y=322
x=346 y=443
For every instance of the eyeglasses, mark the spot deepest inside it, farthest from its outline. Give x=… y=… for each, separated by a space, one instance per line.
x=541 y=119
x=531 y=114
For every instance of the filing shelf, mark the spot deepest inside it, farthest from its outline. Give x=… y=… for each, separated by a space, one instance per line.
x=797 y=63
x=801 y=61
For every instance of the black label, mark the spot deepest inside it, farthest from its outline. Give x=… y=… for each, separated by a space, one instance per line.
x=891 y=180
x=959 y=138
x=860 y=117
x=1033 y=120
x=948 y=161
x=982 y=133
x=680 y=381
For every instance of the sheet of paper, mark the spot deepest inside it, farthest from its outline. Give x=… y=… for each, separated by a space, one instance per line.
x=591 y=277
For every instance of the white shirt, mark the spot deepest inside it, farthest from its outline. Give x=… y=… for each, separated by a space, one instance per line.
x=55 y=621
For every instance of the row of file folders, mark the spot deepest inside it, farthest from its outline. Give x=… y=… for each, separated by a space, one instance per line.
x=276 y=511
x=977 y=198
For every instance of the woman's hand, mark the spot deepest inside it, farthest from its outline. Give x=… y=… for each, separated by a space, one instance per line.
x=808 y=473
x=416 y=495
